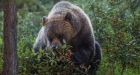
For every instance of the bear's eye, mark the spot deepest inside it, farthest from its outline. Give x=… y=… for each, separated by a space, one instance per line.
x=61 y=38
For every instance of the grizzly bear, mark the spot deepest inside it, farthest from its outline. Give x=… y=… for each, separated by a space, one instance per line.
x=68 y=23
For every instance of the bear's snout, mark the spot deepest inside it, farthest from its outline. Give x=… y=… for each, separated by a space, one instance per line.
x=56 y=43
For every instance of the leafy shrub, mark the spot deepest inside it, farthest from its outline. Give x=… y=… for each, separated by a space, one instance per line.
x=46 y=62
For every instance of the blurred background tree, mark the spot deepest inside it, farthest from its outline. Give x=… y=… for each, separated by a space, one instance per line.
x=116 y=25
x=10 y=38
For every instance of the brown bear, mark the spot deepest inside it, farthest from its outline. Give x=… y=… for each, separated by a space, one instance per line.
x=68 y=23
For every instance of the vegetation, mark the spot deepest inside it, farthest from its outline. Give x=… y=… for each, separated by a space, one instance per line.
x=117 y=28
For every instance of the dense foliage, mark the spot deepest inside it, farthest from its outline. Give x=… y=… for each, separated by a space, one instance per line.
x=116 y=24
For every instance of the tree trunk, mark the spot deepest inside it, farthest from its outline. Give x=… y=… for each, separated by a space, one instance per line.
x=10 y=38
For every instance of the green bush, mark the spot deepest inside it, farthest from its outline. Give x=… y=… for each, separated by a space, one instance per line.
x=46 y=62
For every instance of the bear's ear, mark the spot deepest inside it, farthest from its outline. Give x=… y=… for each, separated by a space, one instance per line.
x=68 y=16
x=45 y=20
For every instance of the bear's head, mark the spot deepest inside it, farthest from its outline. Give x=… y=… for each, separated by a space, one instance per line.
x=60 y=29
x=57 y=30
